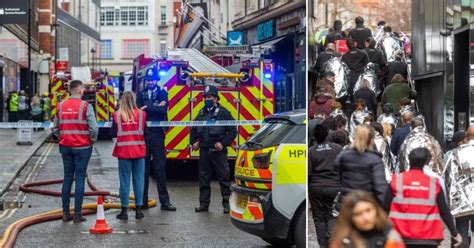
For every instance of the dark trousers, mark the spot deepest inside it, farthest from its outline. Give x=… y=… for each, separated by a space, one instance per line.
x=213 y=161
x=75 y=163
x=13 y=116
x=156 y=159
x=464 y=224
x=322 y=200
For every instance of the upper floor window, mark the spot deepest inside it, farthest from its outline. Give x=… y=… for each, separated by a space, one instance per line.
x=124 y=16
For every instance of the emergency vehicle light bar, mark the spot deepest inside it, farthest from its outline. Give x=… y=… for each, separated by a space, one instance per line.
x=216 y=75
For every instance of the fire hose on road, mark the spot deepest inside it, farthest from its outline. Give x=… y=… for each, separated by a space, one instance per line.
x=9 y=236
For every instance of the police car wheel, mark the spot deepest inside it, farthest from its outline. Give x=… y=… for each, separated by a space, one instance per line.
x=299 y=228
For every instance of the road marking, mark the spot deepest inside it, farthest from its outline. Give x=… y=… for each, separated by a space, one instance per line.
x=9 y=212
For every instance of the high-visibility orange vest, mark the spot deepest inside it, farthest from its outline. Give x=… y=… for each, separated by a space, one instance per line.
x=73 y=127
x=130 y=141
x=414 y=211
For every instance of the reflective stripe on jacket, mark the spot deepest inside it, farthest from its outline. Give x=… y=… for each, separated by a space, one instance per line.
x=130 y=141
x=414 y=211
x=73 y=127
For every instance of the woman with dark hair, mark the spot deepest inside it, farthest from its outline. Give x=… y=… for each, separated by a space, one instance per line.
x=362 y=223
x=359 y=115
x=387 y=116
x=323 y=183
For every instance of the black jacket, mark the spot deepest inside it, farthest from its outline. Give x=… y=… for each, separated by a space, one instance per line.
x=396 y=67
x=333 y=36
x=364 y=171
x=323 y=58
x=208 y=136
x=356 y=60
x=398 y=137
x=153 y=111
x=369 y=97
x=360 y=34
x=321 y=171
x=376 y=57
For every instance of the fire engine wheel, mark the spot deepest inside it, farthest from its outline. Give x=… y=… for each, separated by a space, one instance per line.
x=299 y=228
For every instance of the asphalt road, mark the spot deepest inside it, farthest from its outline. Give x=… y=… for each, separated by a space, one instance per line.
x=183 y=228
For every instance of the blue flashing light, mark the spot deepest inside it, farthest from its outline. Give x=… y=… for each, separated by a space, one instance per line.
x=162 y=73
x=267 y=75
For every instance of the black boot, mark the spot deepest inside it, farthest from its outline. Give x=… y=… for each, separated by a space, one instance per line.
x=123 y=214
x=138 y=213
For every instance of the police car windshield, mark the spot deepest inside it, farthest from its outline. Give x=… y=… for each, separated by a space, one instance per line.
x=270 y=134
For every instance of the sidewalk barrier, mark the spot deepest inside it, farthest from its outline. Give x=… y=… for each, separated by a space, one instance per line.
x=101 y=226
x=48 y=124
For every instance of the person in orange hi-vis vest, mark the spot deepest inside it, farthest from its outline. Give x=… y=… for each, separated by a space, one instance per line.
x=77 y=129
x=418 y=206
x=362 y=223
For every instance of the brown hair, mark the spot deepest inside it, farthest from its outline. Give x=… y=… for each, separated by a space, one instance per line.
x=360 y=104
x=345 y=228
x=74 y=84
x=363 y=136
x=404 y=101
x=387 y=130
x=397 y=78
x=336 y=105
x=127 y=106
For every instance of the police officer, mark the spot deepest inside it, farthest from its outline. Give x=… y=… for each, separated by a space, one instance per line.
x=154 y=101
x=212 y=143
x=12 y=106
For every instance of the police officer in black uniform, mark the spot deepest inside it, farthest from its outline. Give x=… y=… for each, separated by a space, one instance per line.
x=212 y=142
x=154 y=101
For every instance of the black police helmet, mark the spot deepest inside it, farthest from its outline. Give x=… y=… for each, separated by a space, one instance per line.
x=151 y=74
x=211 y=90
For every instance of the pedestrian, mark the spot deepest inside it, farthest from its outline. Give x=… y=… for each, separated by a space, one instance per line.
x=397 y=67
x=376 y=56
x=154 y=101
x=212 y=143
x=360 y=33
x=406 y=106
x=336 y=34
x=327 y=82
x=46 y=106
x=420 y=137
x=364 y=224
x=369 y=97
x=382 y=146
x=387 y=132
x=417 y=205
x=361 y=167
x=458 y=174
x=356 y=60
x=129 y=127
x=341 y=137
x=23 y=106
x=397 y=90
x=401 y=133
x=322 y=102
x=387 y=116
x=76 y=126
x=324 y=57
x=37 y=113
x=12 y=106
x=323 y=183
x=359 y=115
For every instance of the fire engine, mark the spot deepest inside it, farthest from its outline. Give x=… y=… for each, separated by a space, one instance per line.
x=247 y=95
x=99 y=91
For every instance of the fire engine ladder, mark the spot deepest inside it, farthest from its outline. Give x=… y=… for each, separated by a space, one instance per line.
x=198 y=62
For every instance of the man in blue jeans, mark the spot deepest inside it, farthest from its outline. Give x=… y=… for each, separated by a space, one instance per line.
x=77 y=129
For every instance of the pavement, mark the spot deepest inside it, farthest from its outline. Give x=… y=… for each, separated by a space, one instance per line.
x=14 y=157
x=183 y=228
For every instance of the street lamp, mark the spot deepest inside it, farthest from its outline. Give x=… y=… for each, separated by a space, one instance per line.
x=93 y=51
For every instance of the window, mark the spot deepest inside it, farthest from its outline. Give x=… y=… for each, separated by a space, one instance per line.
x=105 y=49
x=163 y=16
x=124 y=16
x=133 y=48
x=162 y=47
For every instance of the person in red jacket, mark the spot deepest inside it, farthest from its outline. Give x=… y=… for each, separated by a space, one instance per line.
x=76 y=126
x=130 y=149
x=418 y=205
x=322 y=103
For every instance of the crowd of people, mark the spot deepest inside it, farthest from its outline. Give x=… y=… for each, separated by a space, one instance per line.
x=376 y=176
x=20 y=107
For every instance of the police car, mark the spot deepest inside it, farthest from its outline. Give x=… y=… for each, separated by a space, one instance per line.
x=268 y=197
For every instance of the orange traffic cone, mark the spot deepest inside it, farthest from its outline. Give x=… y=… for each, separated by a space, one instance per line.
x=101 y=226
